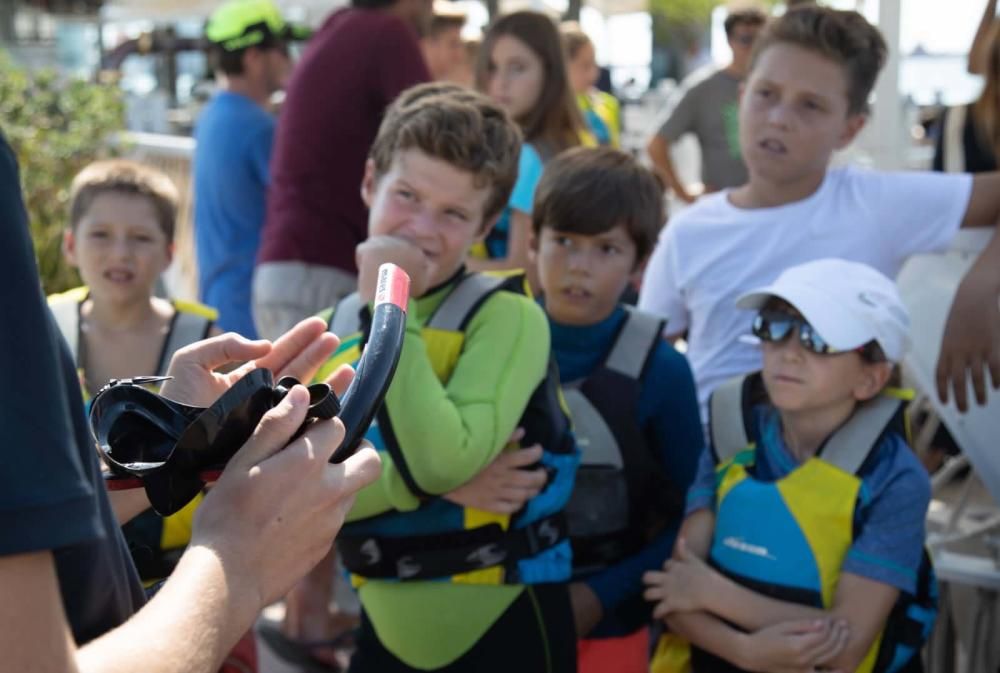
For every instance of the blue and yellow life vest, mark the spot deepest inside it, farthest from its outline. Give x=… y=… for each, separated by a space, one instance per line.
x=156 y=543
x=441 y=540
x=602 y=113
x=810 y=516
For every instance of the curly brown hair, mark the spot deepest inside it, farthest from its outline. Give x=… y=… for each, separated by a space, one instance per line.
x=845 y=37
x=456 y=125
x=121 y=176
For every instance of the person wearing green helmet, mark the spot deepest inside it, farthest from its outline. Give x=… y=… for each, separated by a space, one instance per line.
x=249 y=52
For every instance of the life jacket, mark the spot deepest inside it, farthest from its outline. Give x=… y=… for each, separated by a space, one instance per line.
x=441 y=540
x=602 y=112
x=810 y=517
x=622 y=498
x=156 y=543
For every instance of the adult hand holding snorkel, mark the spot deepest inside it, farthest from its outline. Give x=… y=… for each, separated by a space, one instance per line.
x=275 y=510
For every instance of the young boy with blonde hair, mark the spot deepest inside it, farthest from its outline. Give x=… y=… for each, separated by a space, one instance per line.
x=120 y=236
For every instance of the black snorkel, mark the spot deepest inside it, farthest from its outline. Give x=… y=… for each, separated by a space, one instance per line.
x=172 y=450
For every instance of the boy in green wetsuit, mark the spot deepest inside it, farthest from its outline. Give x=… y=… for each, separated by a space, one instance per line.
x=443 y=585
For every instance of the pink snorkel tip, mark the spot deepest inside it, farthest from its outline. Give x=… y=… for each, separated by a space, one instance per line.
x=393 y=286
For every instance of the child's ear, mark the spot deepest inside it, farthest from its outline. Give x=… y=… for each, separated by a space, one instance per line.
x=874 y=378
x=368 y=183
x=171 y=248
x=69 y=247
x=852 y=128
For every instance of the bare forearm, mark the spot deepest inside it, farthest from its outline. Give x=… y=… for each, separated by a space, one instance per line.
x=862 y=604
x=659 y=153
x=518 y=236
x=128 y=504
x=710 y=633
x=188 y=627
x=752 y=611
x=988 y=263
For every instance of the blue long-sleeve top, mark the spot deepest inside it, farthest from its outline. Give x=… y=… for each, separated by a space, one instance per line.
x=668 y=411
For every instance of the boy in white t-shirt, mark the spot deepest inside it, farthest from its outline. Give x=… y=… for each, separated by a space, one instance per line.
x=805 y=97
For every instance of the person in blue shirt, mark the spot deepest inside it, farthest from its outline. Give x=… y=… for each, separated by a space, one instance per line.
x=803 y=547
x=631 y=396
x=234 y=134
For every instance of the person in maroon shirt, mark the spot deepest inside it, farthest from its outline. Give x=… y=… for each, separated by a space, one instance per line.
x=353 y=68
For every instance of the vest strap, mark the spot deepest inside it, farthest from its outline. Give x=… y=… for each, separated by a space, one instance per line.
x=461 y=303
x=850 y=445
x=847 y=448
x=67 y=315
x=427 y=557
x=596 y=441
x=185 y=329
x=635 y=343
x=728 y=432
x=347 y=316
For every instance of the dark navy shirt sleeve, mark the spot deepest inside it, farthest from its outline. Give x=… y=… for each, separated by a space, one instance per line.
x=51 y=496
x=45 y=500
x=668 y=409
x=892 y=508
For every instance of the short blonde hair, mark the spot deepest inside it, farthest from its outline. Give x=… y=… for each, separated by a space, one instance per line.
x=121 y=176
x=456 y=125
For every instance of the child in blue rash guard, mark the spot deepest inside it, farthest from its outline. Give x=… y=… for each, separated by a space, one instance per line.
x=810 y=505
x=631 y=396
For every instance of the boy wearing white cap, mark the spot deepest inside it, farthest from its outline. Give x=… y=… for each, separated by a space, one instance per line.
x=810 y=506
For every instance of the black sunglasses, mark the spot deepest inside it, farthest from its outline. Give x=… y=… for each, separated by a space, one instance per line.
x=776 y=326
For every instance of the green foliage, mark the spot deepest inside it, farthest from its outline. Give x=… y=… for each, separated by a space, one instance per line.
x=684 y=12
x=56 y=127
x=679 y=23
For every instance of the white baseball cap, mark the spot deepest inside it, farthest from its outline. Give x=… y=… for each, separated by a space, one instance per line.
x=848 y=303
